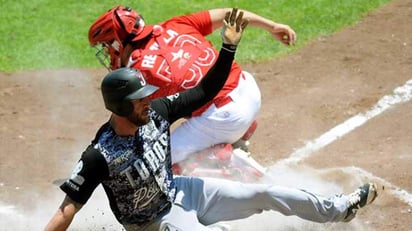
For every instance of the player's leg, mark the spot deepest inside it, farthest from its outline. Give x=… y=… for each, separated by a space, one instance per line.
x=217 y=125
x=248 y=98
x=223 y=200
x=180 y=217
x=235 y=200
x=176 y=219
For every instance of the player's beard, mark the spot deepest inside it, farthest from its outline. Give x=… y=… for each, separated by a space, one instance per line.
x=139 y=119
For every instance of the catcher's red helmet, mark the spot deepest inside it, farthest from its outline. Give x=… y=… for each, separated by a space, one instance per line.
x=114 y=29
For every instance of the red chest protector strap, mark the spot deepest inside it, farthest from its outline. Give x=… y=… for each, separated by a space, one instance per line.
x=178 y=58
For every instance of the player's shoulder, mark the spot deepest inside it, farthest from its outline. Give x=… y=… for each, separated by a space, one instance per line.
x=196 y=18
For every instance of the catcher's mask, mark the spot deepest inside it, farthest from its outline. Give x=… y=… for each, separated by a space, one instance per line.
x=121 y=86
x=113 y=30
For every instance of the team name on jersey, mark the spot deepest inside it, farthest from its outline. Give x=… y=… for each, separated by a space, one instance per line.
x=153 y=157
x=143 y=196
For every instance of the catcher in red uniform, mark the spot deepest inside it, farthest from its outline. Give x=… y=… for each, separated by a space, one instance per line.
x=175 y=55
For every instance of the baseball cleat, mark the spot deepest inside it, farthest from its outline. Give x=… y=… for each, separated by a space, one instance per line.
x=362 y=196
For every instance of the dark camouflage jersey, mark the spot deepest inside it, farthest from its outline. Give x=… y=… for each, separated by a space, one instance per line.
x=138 y=180
x=140 y=176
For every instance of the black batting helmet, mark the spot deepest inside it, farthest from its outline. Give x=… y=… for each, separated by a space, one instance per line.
x=121 y=86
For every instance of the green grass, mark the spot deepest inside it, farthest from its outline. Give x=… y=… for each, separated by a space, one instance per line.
x=47 y=34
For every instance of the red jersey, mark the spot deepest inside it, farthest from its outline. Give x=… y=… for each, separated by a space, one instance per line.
x=177 y=56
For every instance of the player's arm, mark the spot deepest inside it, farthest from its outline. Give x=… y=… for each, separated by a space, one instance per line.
x=89 y=172
x=64 y=215
x=281 y=32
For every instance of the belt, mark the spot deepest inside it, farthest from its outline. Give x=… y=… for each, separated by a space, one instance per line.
x=222 y=101
x=227 y=99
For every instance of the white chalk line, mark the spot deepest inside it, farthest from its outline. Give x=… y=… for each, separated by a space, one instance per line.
x=400 y=95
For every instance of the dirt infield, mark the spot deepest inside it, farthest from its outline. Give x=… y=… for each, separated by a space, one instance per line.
x=345 y=81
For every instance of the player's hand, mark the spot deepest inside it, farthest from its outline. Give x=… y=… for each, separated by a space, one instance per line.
x=233 y=26
x=284 y=34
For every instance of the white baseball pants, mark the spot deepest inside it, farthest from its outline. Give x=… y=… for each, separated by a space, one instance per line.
x=218 y=125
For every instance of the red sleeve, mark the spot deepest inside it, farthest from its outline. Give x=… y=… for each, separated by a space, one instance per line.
x=200 y=20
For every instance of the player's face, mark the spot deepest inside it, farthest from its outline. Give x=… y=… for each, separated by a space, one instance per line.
x=140 y=115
